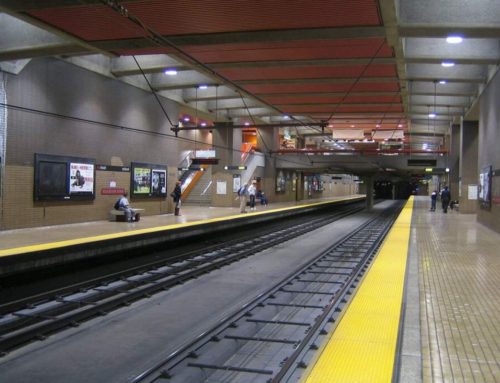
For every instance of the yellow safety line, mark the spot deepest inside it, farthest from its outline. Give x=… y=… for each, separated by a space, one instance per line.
x=363 y=346
x=104 y=237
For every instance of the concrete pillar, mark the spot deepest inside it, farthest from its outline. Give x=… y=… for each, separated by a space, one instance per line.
x=469 y=150
x=454 y=161
x=367 y=188
x=223 y=143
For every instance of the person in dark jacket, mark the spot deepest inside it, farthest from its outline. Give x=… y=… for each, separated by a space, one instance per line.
x=176 y=195
x=445 y=199
x=433 y=200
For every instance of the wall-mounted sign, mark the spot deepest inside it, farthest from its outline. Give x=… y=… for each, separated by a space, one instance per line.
x=235 y=167
x=110 y=168
x=204 y=153
x=112 y=191
x=205 y=161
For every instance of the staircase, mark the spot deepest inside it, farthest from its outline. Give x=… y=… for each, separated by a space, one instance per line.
x=201 y=194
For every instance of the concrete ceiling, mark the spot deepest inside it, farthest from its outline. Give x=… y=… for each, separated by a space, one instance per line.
x=372 y=65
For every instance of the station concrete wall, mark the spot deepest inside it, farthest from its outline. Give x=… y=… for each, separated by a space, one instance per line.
x=489 y=153
x=61 y=109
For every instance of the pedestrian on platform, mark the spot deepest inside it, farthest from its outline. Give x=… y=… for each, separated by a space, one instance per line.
x=445 y=199
x=242 y=195
x=124 y=205
x=252 y=191
x=433 y=200
x=176 y=196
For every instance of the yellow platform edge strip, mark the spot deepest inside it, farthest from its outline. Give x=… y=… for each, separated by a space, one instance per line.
x=104 y=237
x=363 y=346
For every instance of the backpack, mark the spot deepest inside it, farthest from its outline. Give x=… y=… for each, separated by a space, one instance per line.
x=117 y=204
x=242 y=190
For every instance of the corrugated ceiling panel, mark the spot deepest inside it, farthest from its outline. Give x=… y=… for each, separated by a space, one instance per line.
x=343 y=109
x=396 y=99
x=178 y=17
x=322 y=88
x=352 y=71
x=300 y=50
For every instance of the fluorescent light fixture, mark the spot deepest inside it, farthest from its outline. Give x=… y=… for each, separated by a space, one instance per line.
x=428 y=170
x=247 y=123
x=186 y=119
x=286 y=117
x=203 y=87
x=203 y=124
x=454 y=39
x=432 y=115
x=377 y=126
x=442 y=82
x=447 y=64
x=170 y=72
x=400 y=125
x=447 y=170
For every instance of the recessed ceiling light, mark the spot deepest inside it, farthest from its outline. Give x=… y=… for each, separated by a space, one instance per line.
x=353 y=126
x=454 y=39
x=447 y=64
x=186 y=119
x=170 y=72
x=203 y=124
x=432 y=115
x=377 y=126
x=400 y=125
x=442 y=82
x=203 y=87
x=247 y=123
x=286 y=117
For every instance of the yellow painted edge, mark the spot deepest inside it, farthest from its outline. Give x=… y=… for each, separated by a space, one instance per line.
x=362 y=347
x=104 y=237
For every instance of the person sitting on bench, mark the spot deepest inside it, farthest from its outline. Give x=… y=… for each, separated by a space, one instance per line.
x=123 y=205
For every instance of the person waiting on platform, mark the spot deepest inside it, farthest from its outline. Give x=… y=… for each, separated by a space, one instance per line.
x=262 y=197
x=445 y=199
x=124 y=205
x=176 y=196
x=252 y=191
x=242 y=195
x=433 y=200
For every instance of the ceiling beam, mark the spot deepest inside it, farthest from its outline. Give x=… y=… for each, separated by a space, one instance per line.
x=323 y=80
x=42 y=50
x=300 y=63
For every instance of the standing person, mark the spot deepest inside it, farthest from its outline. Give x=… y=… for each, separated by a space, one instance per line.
x=433 y=200
x=176 y=195
x=252 y=191
x=123 y=205
x=242 y=194
x=445 y=199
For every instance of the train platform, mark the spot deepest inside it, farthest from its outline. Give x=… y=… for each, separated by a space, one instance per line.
x=76 y=241
x=426 y=311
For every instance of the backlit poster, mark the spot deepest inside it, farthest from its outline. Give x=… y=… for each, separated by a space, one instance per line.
x=142 y=180
x=81 y=178
x=159 y=182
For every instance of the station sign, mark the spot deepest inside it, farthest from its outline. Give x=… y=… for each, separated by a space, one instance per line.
x=235 y=167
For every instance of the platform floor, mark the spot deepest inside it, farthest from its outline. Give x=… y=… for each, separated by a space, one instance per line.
x=459 y=282
x=10 y=239
x=451 y=306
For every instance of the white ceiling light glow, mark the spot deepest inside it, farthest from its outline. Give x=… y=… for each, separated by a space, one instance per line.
x=447 y=64
x=170 y=72
x=454 y=39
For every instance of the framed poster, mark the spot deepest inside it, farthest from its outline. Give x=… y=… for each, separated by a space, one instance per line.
x=81 y=178
x=236 y=182
x=159 y=182
x=484 y=192
x=63 y=178
x=148 y=180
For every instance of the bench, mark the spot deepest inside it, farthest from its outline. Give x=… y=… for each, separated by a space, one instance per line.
x=119 y=215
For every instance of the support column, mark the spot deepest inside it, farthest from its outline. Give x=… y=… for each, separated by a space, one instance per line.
x=468 y=164
x=222 y=137
x=454 y=162
x=367 y=188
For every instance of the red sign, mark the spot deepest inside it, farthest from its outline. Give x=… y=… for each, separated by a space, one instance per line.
x=112 y=191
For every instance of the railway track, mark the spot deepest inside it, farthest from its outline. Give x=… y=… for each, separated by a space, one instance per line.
x=38 y=316
x=274 y=337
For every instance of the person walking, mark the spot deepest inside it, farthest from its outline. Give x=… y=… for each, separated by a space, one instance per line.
x=433 y=200
x=242 y=194
x=445 y=199
x=252 y=191
x=176 y=196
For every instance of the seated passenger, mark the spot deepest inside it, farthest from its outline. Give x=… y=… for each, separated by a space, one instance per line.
x=123 y=205
x=263 y=199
